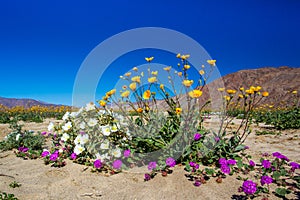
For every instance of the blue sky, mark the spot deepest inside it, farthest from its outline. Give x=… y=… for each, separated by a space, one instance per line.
x=43 y=43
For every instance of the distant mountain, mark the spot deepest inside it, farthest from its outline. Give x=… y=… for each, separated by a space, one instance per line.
x=279 y=82
x=11 y=102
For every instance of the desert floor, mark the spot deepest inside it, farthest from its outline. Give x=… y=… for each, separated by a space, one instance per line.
x=74 y=181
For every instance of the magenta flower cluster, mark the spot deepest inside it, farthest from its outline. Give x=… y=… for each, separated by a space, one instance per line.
x=266 y=164
x=117 y=164
x=225 y=165
x=23 y=149
x=294 y=166
x=54 y=156
x=127 y=153
x=266 y=180
x=249 y=187
x=194 y=166
x=252 y=163
x=280 y=156
x=45 y=153
x=97 y=164
x=170 y=162
x=197 y=136
x=151 y=165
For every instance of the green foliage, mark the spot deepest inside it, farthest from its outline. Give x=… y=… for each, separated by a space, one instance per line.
x=19 y=138
x=14 y=184
x=267 y=133
x=5 y=196
x=280 y=119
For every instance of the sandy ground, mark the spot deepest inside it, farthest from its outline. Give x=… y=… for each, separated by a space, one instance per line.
x=75 y=182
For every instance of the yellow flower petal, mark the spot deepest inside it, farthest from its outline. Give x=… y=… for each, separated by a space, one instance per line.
x=187 y=83
x=136 y=79
x=154 y=73
x=195 y=93
x=211 y=62
x=167 y=68
x=152 y=79
x=201 y=72
x=178 y=110
x=265 y=94
x=147 y=94
x=149 y=59
x=132 y=86
x=125 y=94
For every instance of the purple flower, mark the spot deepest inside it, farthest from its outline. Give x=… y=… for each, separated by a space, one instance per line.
x=151 y=165
x=294 y=166
x=44 y=133
x=197 y=136
x=265 y=154
x=147 y=177
x=246 y=147
x=280 y=156
x=197 y=183
x=117 y=164
x=73 y=156
x=217 y=139
x=266 y=164
x=251 y=163
x=225 y=169
x=249 y=187
x=127 y=153
x=170 y=162
x=23 y=149
x=97 y=164
x=231 y=162
x=266 y=180
x=192 y=164
x=222 y=161
x=45 y=153
x=54 y=156
x=197 y=166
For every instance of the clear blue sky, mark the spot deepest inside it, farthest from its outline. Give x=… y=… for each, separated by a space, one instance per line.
x=43 y=43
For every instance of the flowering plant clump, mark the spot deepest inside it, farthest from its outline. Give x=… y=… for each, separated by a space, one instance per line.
x=89 y=135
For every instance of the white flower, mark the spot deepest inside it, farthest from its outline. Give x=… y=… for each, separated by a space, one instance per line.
x=18 y=136
x=73 y=114
x=105 y=130
x=101 y=112
x=66 y=116
x=82 y=125
x=92 y=122
x=104 y=145
x=114 y=128
x=67 y=126
x=90 y=106
x=78 y=149
x=51 y=127
x=81 y=139
x=65 y=137
x=116 y=153
x=61 y=150
x=102 y=157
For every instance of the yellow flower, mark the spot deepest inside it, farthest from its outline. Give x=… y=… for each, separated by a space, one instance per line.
x=125 y=94
x=187 y=67
x=265 y=94
x=250 y=91
x=227 y=98
x=152 y=79
x=167 y=68
x=178 y=64
x=132 y=86
x=105 y=98
x=187 y=83
x=179 y=74
x=135 y=69
x=201 y=72
x=241 y=96
x=102 y=103
x=178 y=110
x=149 y=59
x=111 y=92
x=139 y=110
x=221 y=89
x=136 y=79
x=242 y=88
x=147 y=94
x=184 y=57
x=211 y=62
x=178 y=55
x=154 y=73
x=257 y=88
x=127 y=74
x=231 y=91
x=195 y=93
x=162 y=87
x=294 y=92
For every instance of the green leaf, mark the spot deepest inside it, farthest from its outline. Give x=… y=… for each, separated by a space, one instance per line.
x=282 y=192
x=276 y=175
x=240 y=147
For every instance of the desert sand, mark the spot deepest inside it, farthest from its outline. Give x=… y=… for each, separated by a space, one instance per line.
x=75 y=181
